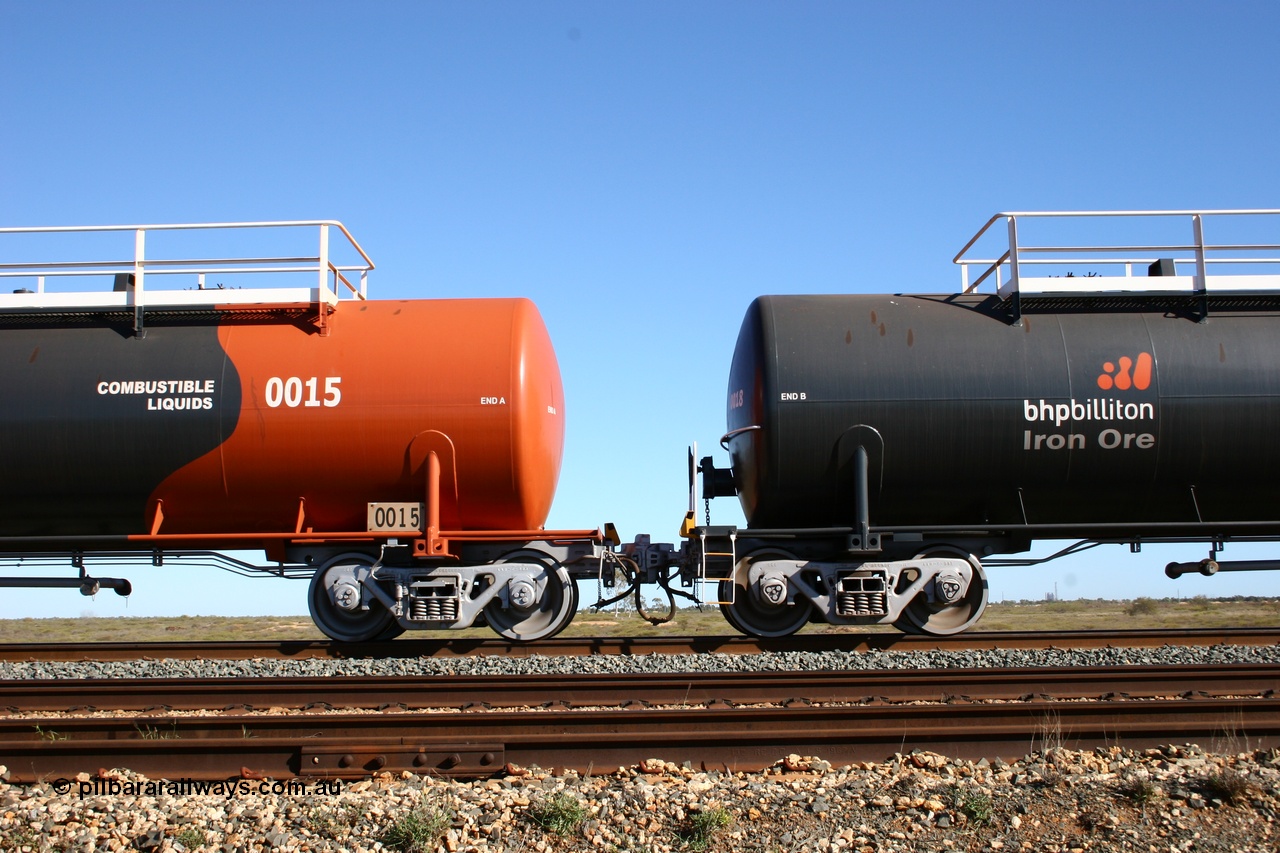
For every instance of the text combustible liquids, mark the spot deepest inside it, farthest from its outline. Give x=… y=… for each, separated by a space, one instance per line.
x=170 y=395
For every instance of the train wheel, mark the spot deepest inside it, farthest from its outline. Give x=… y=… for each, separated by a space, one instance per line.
x=755 y=617
x=541 y=618
x=924 y=617
x=336 y=582
x=391 y=633
x=726 y=593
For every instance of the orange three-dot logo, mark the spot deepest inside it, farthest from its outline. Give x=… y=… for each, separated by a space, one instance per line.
x=1122 y=379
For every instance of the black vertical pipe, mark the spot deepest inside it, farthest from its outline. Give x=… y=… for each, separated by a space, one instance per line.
x=861 y=497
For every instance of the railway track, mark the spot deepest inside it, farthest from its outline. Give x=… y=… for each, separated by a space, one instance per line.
x=582 y=646
x=478 y=725
x=592 y=691
x=727 y=722
x=468 y=744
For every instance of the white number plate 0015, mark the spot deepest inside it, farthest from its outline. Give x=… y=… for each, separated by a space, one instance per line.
x=394 y=517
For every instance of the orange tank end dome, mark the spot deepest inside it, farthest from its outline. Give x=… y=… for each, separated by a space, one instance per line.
x=335 y=421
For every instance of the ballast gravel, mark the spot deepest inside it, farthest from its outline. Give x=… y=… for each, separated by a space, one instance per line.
x=1173 y=799
x=652 y=663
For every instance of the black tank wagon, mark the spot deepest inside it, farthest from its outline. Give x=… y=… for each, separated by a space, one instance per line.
x=883 y=446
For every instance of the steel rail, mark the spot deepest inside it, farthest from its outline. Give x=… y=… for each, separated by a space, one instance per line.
x=453 y=646
x=478 y=745
x=693 y=689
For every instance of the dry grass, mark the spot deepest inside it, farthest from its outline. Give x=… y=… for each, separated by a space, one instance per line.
x=1081 y=614
x=131 y=629
x=1096 y=614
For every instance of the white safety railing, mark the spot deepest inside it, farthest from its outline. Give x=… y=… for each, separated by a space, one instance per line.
x=132 y=274
x=1013 y=270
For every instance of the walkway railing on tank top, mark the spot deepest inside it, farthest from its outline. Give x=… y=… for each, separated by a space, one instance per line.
x=128 y=279
x=1152 y=241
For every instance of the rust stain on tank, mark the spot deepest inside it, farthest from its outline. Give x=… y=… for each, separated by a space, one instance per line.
x=911 y=337
x=34 y=353
x=882 y=330
x=1222 y=354
x=873 y=318
x=848 y=336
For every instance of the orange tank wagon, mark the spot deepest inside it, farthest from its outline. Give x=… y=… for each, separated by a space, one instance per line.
x=346 y=438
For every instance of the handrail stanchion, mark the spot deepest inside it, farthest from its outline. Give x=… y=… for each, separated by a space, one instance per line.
x=139 y=253
x=134 y=295
x=1014 y=272
x=323 y=267
x=1202 y=277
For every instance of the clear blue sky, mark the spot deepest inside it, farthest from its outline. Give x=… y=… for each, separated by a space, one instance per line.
x=641 y=171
